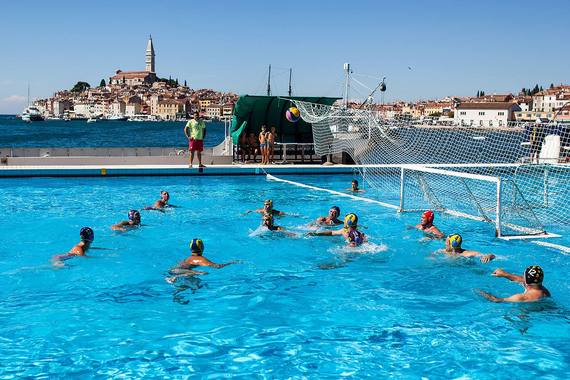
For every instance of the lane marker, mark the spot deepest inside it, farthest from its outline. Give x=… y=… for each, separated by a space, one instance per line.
x=273 y=178
x=565 y=250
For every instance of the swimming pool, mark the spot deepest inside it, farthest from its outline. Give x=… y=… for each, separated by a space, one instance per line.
x=295 y=307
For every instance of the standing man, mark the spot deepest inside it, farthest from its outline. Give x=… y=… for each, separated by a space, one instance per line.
x=195 y=131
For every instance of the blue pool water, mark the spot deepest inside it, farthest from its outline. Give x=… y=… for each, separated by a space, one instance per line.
x=103 y=134
x=295 y=306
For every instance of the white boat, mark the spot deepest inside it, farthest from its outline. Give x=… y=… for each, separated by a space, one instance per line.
x=32 y=114
x=117 y=118
x=91 y=120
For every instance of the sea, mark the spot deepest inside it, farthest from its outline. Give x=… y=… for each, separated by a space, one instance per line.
x=14 y=133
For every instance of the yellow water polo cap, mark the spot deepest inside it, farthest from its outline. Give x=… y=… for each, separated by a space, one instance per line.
x=350 y=220
x=455 y=240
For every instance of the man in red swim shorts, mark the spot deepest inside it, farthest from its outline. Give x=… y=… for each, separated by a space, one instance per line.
x=195 y=131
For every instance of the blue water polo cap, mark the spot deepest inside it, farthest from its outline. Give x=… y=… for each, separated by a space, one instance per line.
x=134 y=214
x=86 y=234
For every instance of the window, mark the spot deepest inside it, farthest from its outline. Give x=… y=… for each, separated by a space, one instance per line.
x=501 y=114
x=500 y=123
x=490 y=123
x=481 y=113
x=481 y=123
x=462 y=113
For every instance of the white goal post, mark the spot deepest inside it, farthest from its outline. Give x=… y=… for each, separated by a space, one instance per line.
x=474 y=196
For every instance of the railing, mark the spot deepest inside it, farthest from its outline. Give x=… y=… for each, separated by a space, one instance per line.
x=284 y=153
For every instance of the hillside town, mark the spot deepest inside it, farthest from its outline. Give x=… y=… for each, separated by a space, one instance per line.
x=496 y=110
x=143 y=96
x=136 y=95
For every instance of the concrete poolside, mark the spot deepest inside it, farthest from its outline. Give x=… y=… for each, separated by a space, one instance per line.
x=101 y=170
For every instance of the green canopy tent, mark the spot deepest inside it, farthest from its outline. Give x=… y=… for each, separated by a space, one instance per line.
x=251 y=112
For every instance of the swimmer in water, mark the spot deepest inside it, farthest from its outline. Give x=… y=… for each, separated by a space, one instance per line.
x=354 y=187
x=87 y=236
x=187 y=266
x=426 y=225
x=267 y=219
x=160 y=204
x=331 y=219
x=531 y=280
x=133 y=222
x=453 y=248
x=267 y=209
x=349 y=231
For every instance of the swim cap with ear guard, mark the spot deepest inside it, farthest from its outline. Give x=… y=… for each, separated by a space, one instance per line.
x=455 y=240
x=86 y=234
x=429 y=215
x=350 y=220
x=134 y=214
x=533 y=275
x=197 y=245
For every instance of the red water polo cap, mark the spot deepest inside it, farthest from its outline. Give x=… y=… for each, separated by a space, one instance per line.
x=428 y=215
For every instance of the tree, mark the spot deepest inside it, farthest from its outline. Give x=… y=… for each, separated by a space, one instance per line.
x=169 y=82
x=482 y=93
x=185 y=85
x=102 y=83
x=535 y=89
x=551 y=85
x=478 y=94
x=176 y=82
x=80 y=87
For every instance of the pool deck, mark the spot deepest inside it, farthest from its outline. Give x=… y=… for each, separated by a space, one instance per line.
x=167 y=170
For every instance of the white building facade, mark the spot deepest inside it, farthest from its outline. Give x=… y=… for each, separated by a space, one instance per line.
x=491 y=114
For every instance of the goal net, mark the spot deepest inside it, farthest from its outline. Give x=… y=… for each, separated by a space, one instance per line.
x=480 y=197
x=528 y=160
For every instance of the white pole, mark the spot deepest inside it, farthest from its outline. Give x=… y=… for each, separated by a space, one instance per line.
x=498 y=209
x=347 y=82
x=402 y=177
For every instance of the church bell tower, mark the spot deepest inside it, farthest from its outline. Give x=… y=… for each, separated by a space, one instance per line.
x=149 y=61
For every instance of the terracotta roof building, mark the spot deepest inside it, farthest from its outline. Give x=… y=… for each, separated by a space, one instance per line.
x=488 y=114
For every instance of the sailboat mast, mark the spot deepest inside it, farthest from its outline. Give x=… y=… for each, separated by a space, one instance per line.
x=290 y=72
x=269 y=82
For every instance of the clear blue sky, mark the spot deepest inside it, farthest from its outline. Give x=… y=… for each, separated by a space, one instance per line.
x=452 y=47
